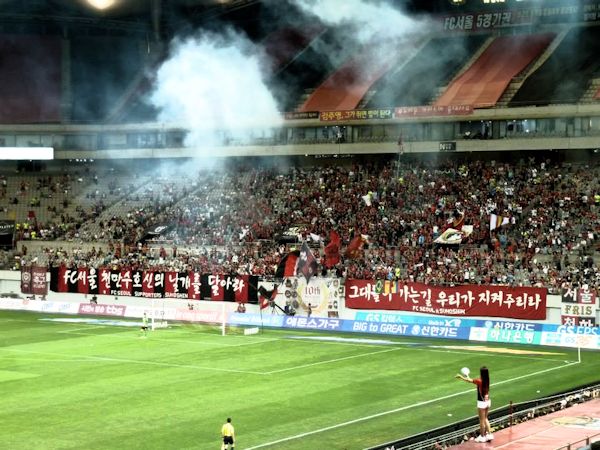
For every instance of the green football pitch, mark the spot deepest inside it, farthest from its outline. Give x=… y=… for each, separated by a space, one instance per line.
x=90 y=386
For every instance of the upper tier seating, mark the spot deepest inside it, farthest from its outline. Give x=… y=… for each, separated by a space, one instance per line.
x=483 y=83
x=345 y=88
x=564 y=76
x=102 y=68
x=30 y=74
x=414 y=82
x=310 y=67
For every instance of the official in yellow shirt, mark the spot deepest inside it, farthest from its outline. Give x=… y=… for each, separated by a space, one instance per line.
x=228 y=434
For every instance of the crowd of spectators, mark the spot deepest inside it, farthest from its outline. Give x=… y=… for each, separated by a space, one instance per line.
x=235 y=219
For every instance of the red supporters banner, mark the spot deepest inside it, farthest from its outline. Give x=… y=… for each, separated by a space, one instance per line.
x=467 y=300
x=26 y=285
x=104 y=282
x=39 y=285
x=194 y=287
x=150 y=284
x=82 y=281
x=433 y=110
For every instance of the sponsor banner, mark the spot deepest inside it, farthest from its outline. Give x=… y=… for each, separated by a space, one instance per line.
x=301 y=115
x=151 y=284
x=465 y=300
x=356 y=114
x=432 y=110
x=39 y=306
x=385 y=317
x=504 y=335
x=406 y=329
x=570 y=340
x=101 y=310
x=268 y=320
x=313 y=323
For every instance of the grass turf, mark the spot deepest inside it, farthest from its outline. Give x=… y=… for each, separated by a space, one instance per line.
x=74 y=385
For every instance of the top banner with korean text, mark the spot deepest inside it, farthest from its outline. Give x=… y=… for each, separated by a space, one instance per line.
x=154 y=284
x=433 y=110
x=568 y=11
x=356 y=114
x=466 y=300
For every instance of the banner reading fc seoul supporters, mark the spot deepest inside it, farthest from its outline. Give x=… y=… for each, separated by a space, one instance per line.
x=467 y=300
x=152 y=284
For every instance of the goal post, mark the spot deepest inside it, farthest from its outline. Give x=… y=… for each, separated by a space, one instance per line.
x=157 y=316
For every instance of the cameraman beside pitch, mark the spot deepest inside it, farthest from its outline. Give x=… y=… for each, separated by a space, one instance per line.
x=483 y=402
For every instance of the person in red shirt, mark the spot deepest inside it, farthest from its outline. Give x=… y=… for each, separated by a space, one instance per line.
x=483 y=402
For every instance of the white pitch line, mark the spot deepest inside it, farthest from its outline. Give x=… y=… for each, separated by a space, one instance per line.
x=152 y=338
x=402 y=408
x=136 y=361
x=302 y=366
x=74 y=330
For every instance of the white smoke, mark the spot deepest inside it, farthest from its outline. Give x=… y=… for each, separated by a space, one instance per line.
x=366 y=19
x=213 y=85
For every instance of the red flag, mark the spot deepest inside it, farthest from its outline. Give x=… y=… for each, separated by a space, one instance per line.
x=266 y=296
x=287 y=265
x=354 y=247
x=332 y=250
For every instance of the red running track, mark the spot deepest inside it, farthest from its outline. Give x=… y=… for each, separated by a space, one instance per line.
x=553 y=431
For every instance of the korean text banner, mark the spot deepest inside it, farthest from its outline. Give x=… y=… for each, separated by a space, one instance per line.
x=467 y=300
x=154 y=284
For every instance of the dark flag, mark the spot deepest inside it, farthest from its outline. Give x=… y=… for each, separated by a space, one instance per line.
x=307 y=264
x=266 y=296
x=287 y=265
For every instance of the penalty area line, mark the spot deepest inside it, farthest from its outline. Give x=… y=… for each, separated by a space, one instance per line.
x=328 y=361
x=402 y=408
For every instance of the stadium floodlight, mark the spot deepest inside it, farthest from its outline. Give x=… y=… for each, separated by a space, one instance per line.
x=26 y=153
x=101 y=4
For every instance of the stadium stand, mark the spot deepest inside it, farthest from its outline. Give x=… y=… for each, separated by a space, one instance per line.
x=548 y=85
x=102 y=68
x=284 y=44
x=345 y=88
x=229 y=219
x=31 y=79
x=309 y=68
x=415 y=81
x=482 y=84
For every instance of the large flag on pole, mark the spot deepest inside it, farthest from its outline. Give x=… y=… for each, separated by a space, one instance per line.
x=266 y=296
x=287 y=265
x=307 y=264
x=497 y=221
x=355 y=246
